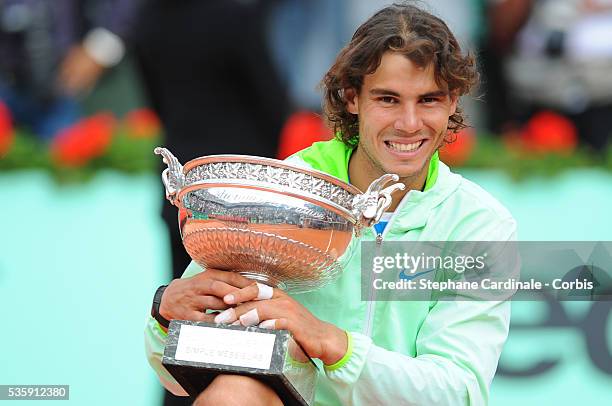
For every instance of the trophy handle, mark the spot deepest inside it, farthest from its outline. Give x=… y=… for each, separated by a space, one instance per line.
x=172 y=177
x=370 y=206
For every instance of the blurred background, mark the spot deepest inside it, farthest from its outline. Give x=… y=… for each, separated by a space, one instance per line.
x=88 y=88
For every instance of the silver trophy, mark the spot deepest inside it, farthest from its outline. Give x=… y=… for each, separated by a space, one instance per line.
x=273 y=222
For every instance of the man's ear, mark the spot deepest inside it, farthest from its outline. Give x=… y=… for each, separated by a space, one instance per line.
x=352 y=102
x=454 y=99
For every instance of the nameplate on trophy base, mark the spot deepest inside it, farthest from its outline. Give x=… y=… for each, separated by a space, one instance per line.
x=196 y=352
x=238 y=348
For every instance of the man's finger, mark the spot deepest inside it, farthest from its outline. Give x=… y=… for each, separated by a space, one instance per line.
x=229 y=277
x=268 y=324
x=213 y=287
x=255 y=291
x=242 y=295
x=199 y=316
x=226 y=316
x=209 y=302
x=266 y=310
x=265 y=292
x=233 y=313
x=250 y=318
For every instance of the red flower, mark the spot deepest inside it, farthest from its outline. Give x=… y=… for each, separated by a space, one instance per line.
x=300 y=131
x=549 y=132
x=142 y=123
x=7 y=135
x=83 y=141
x=457 y=152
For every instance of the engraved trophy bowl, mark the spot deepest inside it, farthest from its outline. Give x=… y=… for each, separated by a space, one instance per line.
x=273 y=222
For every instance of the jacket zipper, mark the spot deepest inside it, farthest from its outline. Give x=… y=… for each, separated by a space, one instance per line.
x=372 y=296
x=372 y=293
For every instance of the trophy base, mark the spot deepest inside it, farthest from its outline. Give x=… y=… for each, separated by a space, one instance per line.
x=197 y=352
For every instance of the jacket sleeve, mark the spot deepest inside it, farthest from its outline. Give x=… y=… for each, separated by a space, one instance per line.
x=155 y=340
x=457 y=351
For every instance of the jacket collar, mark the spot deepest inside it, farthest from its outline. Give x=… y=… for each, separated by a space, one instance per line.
x=414 y=209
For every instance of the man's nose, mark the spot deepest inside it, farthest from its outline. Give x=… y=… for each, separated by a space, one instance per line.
x=408 y=120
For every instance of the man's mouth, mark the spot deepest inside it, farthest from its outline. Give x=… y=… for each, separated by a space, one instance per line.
x=401 y=147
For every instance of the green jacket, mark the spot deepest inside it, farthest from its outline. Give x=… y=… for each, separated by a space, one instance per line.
x=403 y=352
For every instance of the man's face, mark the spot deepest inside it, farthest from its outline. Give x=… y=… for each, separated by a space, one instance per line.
x=403 y=118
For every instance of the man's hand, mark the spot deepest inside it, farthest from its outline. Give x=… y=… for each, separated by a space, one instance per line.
x=189 y=298
x=318 y=339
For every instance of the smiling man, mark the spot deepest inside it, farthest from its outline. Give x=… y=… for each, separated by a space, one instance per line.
x=392 y=99
x=403 y=118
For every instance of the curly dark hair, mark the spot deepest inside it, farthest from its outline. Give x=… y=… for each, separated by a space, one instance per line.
x=420 y=36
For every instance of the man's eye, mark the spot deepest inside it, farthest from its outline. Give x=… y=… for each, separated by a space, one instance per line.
x=388 y=100
x=429 y=100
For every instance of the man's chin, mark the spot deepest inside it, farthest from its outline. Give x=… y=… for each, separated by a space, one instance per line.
x=406 y=171
x=409 y=173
